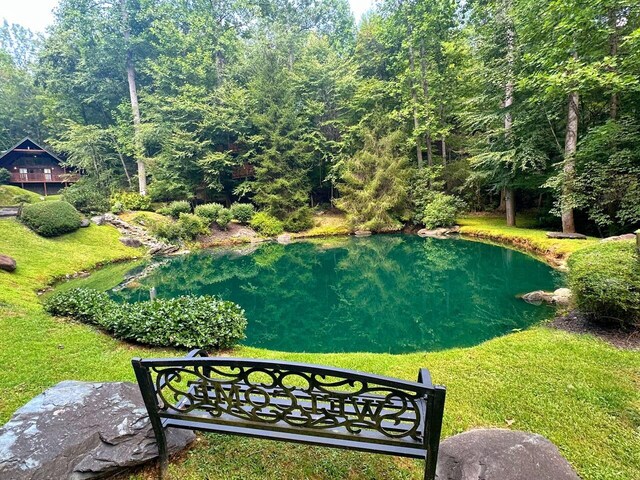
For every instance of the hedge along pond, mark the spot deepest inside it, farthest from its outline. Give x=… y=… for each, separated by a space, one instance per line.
x=385 y=293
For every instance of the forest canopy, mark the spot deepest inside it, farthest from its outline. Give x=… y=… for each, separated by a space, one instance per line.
x=289 y=104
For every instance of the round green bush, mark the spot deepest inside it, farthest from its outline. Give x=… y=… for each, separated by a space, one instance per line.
x=51 y=219
x=441 y=211
x=243 y=212
x=301 y=219
x=224 y=218
x=266 y=225
x=191 y=226
x=605 y=282
x=208 y=211
x=174 y=209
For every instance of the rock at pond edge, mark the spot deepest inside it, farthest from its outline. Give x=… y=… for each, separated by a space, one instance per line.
x=81 y=430
x=500 y=454
x=130 y=242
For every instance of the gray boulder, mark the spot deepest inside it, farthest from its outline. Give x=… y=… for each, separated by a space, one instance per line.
x=7 y=263
x=98 y=219
x=497 y=454
x=84 y=223
x=131 y=242
x=620 y=238
x=79 y=430
x=566 y=236
x=284 y=239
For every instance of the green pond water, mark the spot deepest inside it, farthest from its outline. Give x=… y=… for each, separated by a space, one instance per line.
x=385 y=293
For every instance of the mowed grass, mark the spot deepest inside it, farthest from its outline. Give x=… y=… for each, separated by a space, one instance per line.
x=524 y=235
x=581 y=393
x=9 y=192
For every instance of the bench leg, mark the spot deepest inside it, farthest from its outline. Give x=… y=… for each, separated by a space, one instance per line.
x=163 y=455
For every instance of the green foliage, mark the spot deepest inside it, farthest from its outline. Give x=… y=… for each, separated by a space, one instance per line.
x=209 y=211
x=605 y=281
x=188 y=321
x=83 y=304
x=266 y=224
x=224 y=218
x=424 y=184
x=166 y=230
x=243 y=212
x=51 y=219
x=191 y=226
x=301 y=219
x=374 y=184
x=174 y=209
x=441 y=211
x=5 y=176
x=86 y=196
x=22 y=199
x=130 y=201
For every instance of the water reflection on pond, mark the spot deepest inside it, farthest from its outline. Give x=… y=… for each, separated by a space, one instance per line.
x=387 y=293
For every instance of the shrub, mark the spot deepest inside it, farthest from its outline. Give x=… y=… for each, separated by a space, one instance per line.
x=208 y=211
x=224 y=218
x=5 y=176
x=301 y=219
x=441 y=211
x=21 y=199
x=82 y=304
x=605 y=281
x=86 y=197
x=50 y=219
x=166 y=230
x=191 y=226
x=130 y=201
x=174 y=209
x=243 y=212
x=189 y=321
x=266 y=225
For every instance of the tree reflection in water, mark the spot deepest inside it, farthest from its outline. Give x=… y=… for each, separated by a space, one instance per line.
x=387 y=293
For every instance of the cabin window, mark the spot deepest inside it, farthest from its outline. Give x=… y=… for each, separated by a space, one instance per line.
x=24 y=174
x=47 y=174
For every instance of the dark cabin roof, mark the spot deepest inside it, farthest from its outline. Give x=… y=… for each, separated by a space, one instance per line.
x=27 y=144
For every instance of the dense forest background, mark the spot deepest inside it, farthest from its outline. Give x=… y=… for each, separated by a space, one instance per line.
x=494 y=104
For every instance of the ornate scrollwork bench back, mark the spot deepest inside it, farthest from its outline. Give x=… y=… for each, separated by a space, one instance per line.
x=293 y=402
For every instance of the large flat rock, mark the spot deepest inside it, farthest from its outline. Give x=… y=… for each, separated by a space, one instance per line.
x=498 y=454
x=79 y=430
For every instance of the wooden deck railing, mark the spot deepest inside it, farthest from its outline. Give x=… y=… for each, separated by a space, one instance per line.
x=44 y=177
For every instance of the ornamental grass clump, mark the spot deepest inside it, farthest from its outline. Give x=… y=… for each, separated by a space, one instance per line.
x=605 y=281
x=188 y=321
x=50 y=219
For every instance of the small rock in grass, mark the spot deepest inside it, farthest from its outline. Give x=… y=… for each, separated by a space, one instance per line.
x=131 y=242
x=7 y=263
x=619 y=238
x=84 y=223
x=98 y=219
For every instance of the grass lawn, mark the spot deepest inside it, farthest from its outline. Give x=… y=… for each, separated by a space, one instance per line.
x=525 y=235
x=8 y=192
x=581 y=393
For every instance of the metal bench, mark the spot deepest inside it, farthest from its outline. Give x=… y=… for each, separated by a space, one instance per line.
x=293 y=402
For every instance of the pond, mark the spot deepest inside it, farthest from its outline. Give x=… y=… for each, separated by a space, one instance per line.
x=385 y=293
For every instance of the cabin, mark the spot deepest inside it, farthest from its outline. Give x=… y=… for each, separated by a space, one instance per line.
x=35 y=168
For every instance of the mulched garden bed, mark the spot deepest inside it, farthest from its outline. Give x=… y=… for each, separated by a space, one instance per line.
x=574 y=322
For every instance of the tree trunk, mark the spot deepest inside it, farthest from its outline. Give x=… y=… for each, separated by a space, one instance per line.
x=135 y=108
x=510 y=204
x=569 y=165
x=509 y=194
x=414 y=98
x=502 y=206
x=425 y=91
